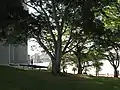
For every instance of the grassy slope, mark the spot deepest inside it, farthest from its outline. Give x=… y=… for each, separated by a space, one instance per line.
x=15 y=79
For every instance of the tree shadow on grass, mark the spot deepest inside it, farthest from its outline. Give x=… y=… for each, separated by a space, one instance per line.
x=16 y=79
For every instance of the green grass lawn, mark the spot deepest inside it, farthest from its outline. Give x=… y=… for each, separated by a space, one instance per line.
x=16 y=79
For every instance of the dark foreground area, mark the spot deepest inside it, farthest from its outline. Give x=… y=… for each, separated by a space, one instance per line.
x=17 y=79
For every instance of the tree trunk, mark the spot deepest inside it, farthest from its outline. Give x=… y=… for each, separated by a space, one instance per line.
x=97 y=73
x=79 y=67
x=79 y=70
x=63 y=69
x=74 y=71
x=115 y=72
x=58 y=45
x=55 y=68
x=56 y=62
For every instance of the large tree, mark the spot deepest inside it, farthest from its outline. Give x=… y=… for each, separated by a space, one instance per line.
x=109 y=44
x=114 y=58
x=50 y=20
x=112 y=48
x=111 y=38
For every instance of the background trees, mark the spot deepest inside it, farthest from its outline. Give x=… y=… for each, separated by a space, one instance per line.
x=111 y=49
x=110 y=40
x=97 y=65
x=80 y=48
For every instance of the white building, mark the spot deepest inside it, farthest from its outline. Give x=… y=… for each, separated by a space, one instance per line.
x=13 y=54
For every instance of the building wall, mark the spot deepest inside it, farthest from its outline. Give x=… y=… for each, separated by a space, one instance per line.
x=4 y=54
x=13 y=54
x=20 y=54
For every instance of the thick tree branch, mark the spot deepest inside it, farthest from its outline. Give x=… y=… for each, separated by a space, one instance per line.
x=45 y=48
x=56 y=18
x=71 y=49
x=117 y=56
x=108 y=58
x=68 y=42
x=47 y=17
x=49 y=26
